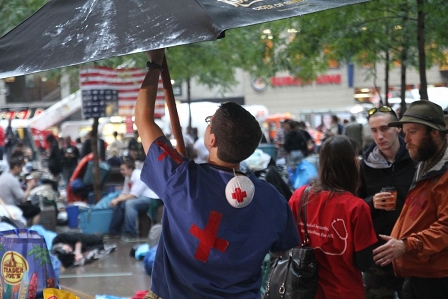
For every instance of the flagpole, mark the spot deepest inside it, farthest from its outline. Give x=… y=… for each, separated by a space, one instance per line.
x=172 y=109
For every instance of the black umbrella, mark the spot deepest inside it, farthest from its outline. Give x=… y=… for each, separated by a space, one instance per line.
x=64 y=33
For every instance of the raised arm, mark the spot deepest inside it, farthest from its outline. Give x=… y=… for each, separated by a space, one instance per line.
x=144 y=108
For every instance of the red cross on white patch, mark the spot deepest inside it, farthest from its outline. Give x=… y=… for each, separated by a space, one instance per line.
x=239 y=195
x=240 y=191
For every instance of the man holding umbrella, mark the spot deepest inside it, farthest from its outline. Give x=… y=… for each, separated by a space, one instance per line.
x=218 y=223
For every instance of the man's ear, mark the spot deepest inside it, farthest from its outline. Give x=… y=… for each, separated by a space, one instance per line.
x=213 y=140
x=435 y=134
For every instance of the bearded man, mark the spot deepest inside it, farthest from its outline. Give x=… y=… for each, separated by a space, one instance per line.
x=418 y=244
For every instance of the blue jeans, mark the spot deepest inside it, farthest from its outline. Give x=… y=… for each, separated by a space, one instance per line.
x=127 y=212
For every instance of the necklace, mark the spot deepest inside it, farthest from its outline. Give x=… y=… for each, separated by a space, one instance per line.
x=232 y=170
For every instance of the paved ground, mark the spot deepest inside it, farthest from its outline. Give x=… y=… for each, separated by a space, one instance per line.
x=117 y=274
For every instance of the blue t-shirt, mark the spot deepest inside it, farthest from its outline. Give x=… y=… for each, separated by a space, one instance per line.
x=209 y=249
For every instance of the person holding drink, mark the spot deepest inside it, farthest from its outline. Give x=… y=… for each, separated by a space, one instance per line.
x=386 y=175
x=390 y=202
x=417 y=247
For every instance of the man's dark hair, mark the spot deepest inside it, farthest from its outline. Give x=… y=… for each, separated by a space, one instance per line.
x=237 y=131
x=115 y=133
x=16 y=161
x=288 y=121
x=67 y=259
x=129 y=164
x=294 y=125
x=337 y=165
x=302 y=125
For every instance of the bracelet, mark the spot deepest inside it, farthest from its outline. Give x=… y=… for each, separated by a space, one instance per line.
x=153 y=65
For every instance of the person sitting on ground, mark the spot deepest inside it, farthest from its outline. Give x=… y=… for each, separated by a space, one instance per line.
x=12 y=193
x=74 y=249
x=135 y=197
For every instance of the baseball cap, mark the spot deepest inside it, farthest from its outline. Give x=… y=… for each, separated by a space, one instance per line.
x=423 y=112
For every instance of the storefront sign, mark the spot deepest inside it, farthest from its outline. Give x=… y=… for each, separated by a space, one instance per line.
x=19 y=113
x=293 y=81
x=259 y=84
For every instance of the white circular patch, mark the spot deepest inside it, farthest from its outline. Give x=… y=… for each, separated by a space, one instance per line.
x=240 y=191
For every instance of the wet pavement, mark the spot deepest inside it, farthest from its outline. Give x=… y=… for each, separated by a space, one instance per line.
x=117 y=274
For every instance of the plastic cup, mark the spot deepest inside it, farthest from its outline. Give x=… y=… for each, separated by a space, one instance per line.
x=390 y=202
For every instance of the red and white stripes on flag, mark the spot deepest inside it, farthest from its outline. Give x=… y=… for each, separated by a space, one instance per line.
x=126 y=81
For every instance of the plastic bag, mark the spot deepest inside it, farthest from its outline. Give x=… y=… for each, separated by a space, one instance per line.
x=26 y=268
x=303 y=174
x=52 y=293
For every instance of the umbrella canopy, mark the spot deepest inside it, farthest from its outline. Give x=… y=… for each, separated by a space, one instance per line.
x=64 y=33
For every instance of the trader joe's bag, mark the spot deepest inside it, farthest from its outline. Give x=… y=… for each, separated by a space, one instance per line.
x=26 y=268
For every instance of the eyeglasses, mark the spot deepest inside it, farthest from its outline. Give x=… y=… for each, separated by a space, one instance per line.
x=385 y=109
x=208 y=120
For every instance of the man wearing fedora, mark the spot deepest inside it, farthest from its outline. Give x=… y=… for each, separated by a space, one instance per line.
x=418 y=244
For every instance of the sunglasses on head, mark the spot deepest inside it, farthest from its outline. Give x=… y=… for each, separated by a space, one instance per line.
x=385 y=109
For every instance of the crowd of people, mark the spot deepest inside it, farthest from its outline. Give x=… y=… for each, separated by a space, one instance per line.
x=369 y=243
x=376 y=212
x=58 y=159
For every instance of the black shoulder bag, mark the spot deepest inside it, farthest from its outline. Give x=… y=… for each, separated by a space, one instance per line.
x=295 y=274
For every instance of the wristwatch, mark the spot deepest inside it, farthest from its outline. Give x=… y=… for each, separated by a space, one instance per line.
x=153 y=65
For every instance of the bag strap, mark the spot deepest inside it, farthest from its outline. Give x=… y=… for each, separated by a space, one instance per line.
x=304 y=203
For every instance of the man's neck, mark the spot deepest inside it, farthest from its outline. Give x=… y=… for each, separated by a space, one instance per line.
x=14 y=172
x=390 y=153
x=220 y=163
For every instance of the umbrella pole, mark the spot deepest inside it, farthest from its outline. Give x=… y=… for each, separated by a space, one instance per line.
x=171 y=103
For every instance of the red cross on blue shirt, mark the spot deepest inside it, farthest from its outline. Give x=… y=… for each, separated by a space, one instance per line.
x=208 y=237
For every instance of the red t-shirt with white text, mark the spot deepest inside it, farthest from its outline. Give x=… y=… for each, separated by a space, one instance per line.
x=337 y=227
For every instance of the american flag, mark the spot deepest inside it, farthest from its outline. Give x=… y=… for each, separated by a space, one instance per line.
x=126 y=81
